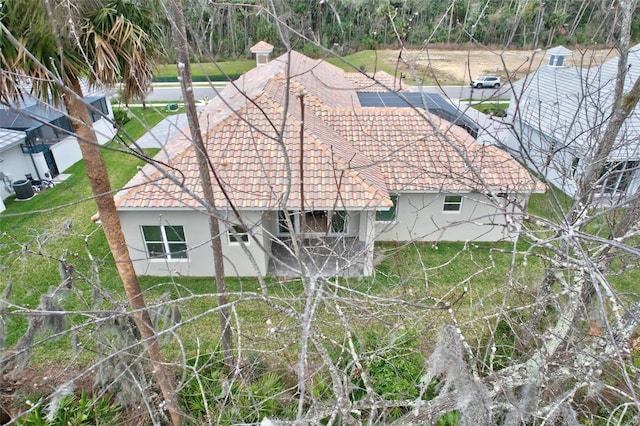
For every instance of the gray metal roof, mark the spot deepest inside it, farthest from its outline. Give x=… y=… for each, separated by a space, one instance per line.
x=9 y=138
x=571 y=105
x=30 y=112
x=559 y=50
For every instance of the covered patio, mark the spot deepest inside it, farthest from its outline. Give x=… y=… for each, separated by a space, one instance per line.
x=320 y=255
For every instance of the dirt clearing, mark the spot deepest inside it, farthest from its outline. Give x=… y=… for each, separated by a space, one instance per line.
x=459 y=66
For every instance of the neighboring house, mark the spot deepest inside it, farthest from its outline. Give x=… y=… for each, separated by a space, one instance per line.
x=558 y=115
x=299 y=160
x=37 y=138
x=12 y=162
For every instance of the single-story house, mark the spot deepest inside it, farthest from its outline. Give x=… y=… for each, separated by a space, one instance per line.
x=300 y=164
x=557 y=116
x=37 y=138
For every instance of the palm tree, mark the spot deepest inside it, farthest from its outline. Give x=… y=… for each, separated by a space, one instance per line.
x=54 y=44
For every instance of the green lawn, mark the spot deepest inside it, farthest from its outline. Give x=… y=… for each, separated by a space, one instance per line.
x=498 y=109
x=368 y=61
x=468 y=278
x=33 y=241
x=216 y=71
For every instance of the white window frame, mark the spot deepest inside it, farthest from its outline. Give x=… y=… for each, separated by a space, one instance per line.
x=615 y=180
x=452 y=203
x=238 y=234
x=169 y=254
x=294 y=216
x=393 y=211
x=345 y=217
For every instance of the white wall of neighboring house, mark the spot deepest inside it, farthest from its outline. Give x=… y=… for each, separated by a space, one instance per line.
x=67 y=152
x=104 y=127
x=543 y=155
x=200 y=256
x=14 y=165
x=420 y=217
x=559 y=161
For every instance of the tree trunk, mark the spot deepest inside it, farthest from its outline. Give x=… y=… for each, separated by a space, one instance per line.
x=453 y=5
x=101 y=189
x=184 y=71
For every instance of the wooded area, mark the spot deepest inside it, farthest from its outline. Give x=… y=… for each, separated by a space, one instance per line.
x=226 y=29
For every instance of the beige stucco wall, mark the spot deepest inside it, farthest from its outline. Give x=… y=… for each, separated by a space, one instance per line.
x=420 y=217
x=196 y=228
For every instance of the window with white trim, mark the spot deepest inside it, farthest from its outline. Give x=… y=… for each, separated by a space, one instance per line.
x=164 y=242
x=452 y=203
x=339 y=222
x=283 y=224
x=238 y=234
x=617 y=175
x=575 y=165
x=388 y=215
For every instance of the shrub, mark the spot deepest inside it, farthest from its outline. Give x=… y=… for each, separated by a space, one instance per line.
x=121 y=116
x=71 y=410
x=395 y=367
x=495 y=109
x=249 y=398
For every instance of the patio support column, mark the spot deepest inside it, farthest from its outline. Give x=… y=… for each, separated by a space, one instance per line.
x=370 y=238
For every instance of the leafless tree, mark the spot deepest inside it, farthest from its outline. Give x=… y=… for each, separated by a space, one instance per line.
x=539 y=329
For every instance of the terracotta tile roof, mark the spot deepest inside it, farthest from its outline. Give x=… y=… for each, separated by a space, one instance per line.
x=419 y=151
x=352 y=156
x=323 y=80
x=247 y=152
x=380 y=81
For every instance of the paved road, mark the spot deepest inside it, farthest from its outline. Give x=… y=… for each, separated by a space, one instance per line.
x=173 y=93
x=169 y=128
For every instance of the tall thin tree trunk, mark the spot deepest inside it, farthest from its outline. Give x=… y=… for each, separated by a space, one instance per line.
x=101 y=189
x=453 y=5
x=184 y=70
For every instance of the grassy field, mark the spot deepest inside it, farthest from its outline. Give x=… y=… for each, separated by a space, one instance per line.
x=368 y=60
x=218 y=71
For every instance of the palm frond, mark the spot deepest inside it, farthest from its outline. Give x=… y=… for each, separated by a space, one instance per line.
x=33 y=57
x=123 y=50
